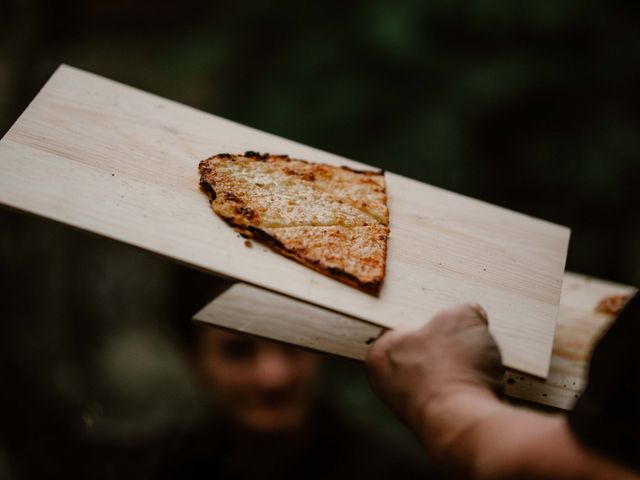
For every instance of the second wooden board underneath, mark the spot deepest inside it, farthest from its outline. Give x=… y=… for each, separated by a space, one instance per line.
x=251 y=310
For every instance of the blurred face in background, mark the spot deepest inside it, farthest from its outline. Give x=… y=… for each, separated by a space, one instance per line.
x=265 y=386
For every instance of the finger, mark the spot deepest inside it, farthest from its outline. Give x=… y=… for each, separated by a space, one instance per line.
x=377 y=352
x=383 y=331
x=481 y=312
x=465 y=315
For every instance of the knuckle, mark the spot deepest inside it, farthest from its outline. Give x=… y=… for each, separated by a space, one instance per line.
x=375 y=354
x=378 y=352
x=472 y=314
x=440 y=319
x=479 y=312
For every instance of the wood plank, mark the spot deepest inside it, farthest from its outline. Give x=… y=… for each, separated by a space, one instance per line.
x=579 y=328
x=256 y=311
x=119 y=162
x=252 y=310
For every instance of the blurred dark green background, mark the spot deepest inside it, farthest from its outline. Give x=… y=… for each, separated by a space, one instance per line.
x=530 y=105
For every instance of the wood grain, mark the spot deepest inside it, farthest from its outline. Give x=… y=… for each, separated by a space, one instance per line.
x=256 y=311
x=579 y=328
x=252 y=310
x=122 y=163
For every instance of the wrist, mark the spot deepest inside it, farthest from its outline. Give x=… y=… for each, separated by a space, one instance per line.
x=449 y=418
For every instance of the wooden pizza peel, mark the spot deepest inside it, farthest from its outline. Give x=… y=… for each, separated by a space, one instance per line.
x=255 y=311
x=113 y=160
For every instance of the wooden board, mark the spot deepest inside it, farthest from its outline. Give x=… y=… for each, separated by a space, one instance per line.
x=248 y=309
x=116 y=161
x=258 y=312
x=579 y=328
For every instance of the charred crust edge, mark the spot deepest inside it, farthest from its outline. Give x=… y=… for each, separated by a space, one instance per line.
x=263 y=157
x=372 y=288
x=206 y=186
x=363 y=172
x=259 y=235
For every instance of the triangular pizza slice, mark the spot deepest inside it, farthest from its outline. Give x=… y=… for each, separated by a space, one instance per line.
x=332 y=219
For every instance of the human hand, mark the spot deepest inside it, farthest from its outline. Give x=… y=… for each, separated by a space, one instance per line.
x=442 y=378
x=453 y=352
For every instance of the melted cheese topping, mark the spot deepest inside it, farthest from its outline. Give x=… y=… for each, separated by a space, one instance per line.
x=332 y=219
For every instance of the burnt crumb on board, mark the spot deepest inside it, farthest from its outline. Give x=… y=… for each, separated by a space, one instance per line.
x=612 y=304
x=248 y=244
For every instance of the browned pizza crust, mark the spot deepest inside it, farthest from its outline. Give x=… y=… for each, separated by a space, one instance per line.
x=332 y=219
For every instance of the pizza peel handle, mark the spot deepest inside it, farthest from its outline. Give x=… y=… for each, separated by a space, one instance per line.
x=122 y=163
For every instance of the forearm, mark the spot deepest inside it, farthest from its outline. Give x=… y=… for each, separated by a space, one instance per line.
x=439 y=380
x=478 y=436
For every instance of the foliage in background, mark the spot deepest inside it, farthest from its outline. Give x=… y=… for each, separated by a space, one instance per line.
x=531 y=105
